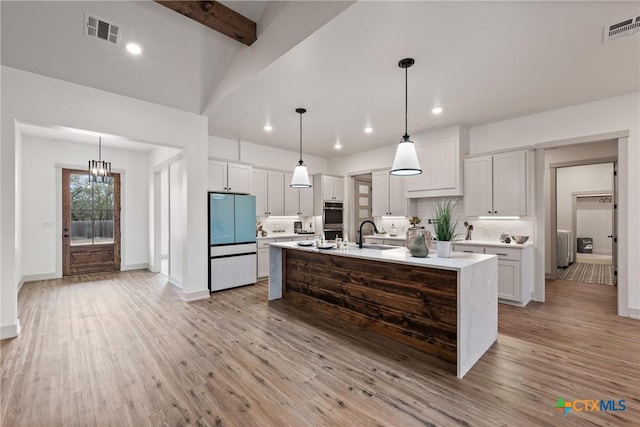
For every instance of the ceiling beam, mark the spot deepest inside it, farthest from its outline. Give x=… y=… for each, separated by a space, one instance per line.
x=217 y=17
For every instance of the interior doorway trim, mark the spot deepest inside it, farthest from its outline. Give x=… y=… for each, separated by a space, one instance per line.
x=624 y=165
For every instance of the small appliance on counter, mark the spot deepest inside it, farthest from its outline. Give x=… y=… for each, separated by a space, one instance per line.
x=297 y=226
x=232 y=241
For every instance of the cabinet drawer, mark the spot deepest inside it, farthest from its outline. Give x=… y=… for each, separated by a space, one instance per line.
x=469 y=249
x=504 y=253
x=264 y=243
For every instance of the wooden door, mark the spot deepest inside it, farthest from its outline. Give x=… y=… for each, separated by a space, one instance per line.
x=91 y=223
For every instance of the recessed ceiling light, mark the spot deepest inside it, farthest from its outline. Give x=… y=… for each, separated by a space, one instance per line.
x=368 y=129
x=337 y=146
x=268 y=128
x=436 y=110
x=134 y=49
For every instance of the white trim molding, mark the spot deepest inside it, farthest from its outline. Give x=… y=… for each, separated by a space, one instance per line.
x=10 y=331
x=195 y=295
x=634 y=313
x=140 y=266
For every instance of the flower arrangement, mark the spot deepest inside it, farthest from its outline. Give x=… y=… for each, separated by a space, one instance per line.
x=414 y=220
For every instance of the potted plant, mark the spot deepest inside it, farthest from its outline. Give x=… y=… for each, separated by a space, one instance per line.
x=445 y=227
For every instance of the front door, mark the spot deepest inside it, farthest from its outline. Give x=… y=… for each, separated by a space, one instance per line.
x=91 y=223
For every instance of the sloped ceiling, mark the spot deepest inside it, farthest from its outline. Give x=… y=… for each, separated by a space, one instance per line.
x=480 y=61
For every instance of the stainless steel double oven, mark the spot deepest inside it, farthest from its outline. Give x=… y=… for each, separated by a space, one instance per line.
x=332 y=220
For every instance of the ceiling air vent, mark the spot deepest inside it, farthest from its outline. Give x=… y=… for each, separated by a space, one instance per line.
x=100 y=29
x=626 y=27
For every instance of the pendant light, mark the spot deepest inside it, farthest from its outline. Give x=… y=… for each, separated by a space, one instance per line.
x=406 y=160
x=300 y=175
x=99 y=170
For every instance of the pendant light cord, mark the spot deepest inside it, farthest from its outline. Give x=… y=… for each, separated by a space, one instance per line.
x=301 y=162
x=406 y=100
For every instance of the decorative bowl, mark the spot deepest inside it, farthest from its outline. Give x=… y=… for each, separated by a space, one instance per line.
x=520 y=239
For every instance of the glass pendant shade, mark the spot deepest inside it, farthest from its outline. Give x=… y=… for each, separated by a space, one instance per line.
x=300 y=177
x=99 y=170
x=406 y=160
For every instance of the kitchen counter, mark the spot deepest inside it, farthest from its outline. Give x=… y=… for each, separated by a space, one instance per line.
x=386 y=237
x=494 y=243
x=446 y=307
x=285 y=235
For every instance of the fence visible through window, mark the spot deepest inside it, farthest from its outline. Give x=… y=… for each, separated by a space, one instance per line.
x=92 y=210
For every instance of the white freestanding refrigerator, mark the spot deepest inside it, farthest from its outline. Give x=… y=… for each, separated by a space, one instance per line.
x=232 y=241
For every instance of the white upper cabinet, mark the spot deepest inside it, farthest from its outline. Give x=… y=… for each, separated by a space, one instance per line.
x=268 y=187
x=326 y=188
x=388 y=194
x=228 y=177
x=332 y=188
x=496 y=184
x=439 y=154
x=297 y=201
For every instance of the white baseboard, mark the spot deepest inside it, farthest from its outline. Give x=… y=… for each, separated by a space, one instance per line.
x=174 y=281
x=195 y=295
x=141 y=266
x=634 y=313
x=20 y=285
x=10 y=331
x=42 y=276
x=601 y=252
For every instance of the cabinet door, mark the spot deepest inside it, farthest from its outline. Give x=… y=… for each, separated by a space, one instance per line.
x=509 y=183
x=423 y=181
x=509 y=279
x=238 y=178
x=306 y=201
x=478 y=186
x=327 y=188
x=291 y=197
x=380 y=193
x=275 y=193
x=397 y=200
x=443 y=165
x=263 y=262
x=217 y=176
x=338 y=189
x=259 y=189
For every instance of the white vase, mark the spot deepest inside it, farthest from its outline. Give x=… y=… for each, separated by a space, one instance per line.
x=444 y=249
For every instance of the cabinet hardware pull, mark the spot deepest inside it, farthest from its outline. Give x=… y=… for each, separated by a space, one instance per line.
x=495 y=211
x=489 y=212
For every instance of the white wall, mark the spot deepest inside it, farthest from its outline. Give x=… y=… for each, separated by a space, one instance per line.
x=594 y=219
x=46 y=101
x=177 y=216
x=42 y=192
x=573 y=125
x=262 y=155
x=595 y=223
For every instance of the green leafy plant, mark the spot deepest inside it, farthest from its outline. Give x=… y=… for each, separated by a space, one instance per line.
x=445 y=221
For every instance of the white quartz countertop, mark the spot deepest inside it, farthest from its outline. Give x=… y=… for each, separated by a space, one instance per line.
x=400 y=255
x=385 y=237
x=284 y=236
x=493 y=243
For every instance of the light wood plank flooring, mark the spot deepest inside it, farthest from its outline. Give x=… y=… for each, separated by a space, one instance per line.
x=122 y=349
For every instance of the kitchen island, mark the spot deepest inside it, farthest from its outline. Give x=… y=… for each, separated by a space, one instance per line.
x=446 y=307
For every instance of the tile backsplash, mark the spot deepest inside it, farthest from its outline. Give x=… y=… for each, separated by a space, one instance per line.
x=278 y=226
x=483 y=229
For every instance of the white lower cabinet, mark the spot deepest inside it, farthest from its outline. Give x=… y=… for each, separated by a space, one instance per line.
x=515 y=270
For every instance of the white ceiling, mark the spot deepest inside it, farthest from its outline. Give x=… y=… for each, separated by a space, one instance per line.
x=481 y=61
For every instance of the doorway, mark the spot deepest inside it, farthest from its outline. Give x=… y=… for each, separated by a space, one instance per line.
x=91 y=223
x=584 y=211
x=363 y=210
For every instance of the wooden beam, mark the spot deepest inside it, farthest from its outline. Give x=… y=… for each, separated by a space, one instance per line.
x=217 y=17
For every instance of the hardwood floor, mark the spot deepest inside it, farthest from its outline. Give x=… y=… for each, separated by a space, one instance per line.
x=122 y=349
